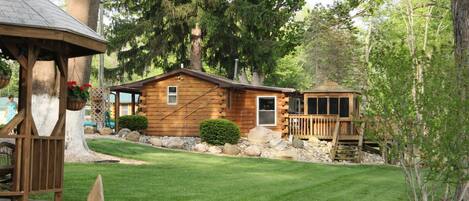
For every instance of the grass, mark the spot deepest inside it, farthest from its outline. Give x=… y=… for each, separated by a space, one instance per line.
x=171 y=175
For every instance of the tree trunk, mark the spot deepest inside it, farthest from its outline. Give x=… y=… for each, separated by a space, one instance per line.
x=45 y=96
x=196 y=48
x=460 y=10
x=257 y=78
x=86 y=11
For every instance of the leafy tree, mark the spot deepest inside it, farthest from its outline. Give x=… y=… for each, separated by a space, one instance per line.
x=413 y=96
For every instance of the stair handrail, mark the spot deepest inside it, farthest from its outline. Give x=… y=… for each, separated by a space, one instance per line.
x=361 y=133
x=335 y=138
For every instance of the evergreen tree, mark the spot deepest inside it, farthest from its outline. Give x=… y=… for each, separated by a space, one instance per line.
x=157 y=33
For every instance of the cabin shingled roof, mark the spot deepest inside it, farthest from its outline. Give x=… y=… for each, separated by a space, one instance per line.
x=221 y=81
x=330 y=86
x=45 y=15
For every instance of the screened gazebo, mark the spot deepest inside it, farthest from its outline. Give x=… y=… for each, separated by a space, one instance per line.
x=30 y=31
x=317 y=112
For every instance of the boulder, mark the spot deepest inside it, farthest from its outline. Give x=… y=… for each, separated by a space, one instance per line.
x=133 y=136
x=156 y=141
x=231 y=149
x=259 y=135
x=278 y=144
x=298 y=143
x=253 y=150
x=89 y=130
x=123 y=132
x=175 y=143
x=214 y=150
x=201 y=147
x=105 y=131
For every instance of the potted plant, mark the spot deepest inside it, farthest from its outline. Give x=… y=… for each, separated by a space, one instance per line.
x=5 y=73
x=77 y=95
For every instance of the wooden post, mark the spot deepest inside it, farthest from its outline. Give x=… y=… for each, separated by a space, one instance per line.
x=26 y=128
x=133 y=103
x=59 y=130
x=117 y=110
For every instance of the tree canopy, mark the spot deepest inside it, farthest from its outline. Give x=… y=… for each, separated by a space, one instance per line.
x=156 y=33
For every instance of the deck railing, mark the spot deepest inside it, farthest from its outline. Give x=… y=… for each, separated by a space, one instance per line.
x=321 y=126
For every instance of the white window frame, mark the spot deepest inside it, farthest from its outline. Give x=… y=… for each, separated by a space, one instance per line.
x=275 y=110
x=172 y=94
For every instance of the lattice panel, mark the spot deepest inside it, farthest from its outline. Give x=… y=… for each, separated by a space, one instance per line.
x=99 y=103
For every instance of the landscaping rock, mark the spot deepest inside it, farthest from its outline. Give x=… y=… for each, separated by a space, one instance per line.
x=278 y=144
x=259 y=135
x=267 y=153
x=190 y=142
x=175 y=143
x=231 y=149
x=214 y=150
x=105 y=131
x=274 y=135
x=253 y=150
x=144 y=139
x=313 y=139
x=298 y=143
x=289 y=154
x=201 y=147
x=123 y=132
x=89 y=130
x=372 y=158
x=156 y=141
x=133 y=136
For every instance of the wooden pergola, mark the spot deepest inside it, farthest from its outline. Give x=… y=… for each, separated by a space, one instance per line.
x=37 y=30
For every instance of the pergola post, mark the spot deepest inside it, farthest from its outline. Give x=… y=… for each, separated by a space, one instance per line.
x=117 y=110
x=59 y=129
x=133 y=103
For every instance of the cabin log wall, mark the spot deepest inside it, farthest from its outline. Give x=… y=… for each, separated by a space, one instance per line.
x=197 y=100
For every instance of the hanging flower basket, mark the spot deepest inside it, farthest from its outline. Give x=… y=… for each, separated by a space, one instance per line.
x=77 y=95
x=75 y=104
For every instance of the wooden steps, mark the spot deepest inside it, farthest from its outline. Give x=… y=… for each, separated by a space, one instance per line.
x=347 y=151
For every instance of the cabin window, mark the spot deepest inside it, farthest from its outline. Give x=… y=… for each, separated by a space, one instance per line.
x=333 y=106
x=344 y=107
x=294 y=106
x=322 y=105
x=312 y=106
x=266 y=110
x=172 y=95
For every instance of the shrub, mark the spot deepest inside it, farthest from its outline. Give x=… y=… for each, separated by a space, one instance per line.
x=133 y=122
x=219 y=131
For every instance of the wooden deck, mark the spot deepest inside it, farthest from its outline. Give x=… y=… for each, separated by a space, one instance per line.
x=321 y=127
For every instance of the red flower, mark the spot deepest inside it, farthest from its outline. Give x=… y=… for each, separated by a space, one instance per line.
x=71 y=83
x=87 y=85
x=82 y=88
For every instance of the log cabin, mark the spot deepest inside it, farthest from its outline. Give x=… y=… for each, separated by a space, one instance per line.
x=176 y=103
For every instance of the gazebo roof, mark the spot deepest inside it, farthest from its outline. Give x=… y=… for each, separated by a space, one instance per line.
x=330 y=86
x=42 y=19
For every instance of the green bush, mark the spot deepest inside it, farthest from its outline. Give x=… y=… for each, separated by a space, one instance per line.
x=133 y=122
x=219 y=131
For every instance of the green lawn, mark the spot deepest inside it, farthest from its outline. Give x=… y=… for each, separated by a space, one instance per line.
x=171 y=175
